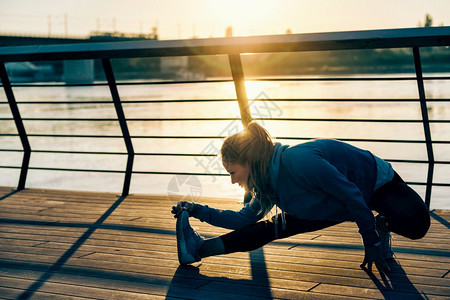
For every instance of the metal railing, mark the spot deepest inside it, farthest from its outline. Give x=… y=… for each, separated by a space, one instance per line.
x=233 y=48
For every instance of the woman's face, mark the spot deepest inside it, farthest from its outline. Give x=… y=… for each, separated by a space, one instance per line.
x=238 y=173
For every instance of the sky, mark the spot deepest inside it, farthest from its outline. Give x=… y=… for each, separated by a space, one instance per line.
x=182 y=19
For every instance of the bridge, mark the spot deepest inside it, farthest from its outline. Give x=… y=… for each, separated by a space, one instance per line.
x=71 y=72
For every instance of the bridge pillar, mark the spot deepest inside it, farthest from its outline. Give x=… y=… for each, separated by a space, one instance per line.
x=78 y=71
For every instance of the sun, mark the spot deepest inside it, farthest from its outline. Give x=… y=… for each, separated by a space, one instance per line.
x=247 y=17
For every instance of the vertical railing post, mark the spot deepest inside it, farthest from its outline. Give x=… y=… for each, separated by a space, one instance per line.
x=19 y=125
x=123 y=124
x=239 y=85
x=426 y=124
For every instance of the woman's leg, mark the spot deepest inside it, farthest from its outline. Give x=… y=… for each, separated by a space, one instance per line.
x=405 y=211
x=259 y=234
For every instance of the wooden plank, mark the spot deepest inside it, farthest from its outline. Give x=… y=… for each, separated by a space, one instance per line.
x=13 y=293
x=384 y=292
x=71 y=289
x=297 y=273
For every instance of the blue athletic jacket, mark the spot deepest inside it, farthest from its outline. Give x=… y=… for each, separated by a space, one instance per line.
x=317 y=180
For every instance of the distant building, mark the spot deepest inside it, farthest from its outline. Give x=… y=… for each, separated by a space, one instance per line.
x=106 y=36
x=229 y=31
x=71 y=71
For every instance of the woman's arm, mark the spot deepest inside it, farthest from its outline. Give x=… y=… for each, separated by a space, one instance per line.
x=229 y=219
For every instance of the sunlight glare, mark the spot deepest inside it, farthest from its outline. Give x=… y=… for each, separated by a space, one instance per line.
x=256 y=88
x=244 y=16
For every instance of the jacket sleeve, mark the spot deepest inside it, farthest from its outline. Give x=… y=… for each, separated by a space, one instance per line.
x=317 y=172
x=229 y=219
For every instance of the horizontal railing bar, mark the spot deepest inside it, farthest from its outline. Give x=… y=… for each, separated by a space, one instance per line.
x=296 y=138
x=117 y=136
x=65 y=152
x=107 y=153
x=179 y=173
x=66 y=135
x=62 y=102
x=173 y=82
x=344 y=100
x=325 y=41
x=124 y=83
x=65 y=169
x=417 y=161
x=62 y=84
x=433 y=184
x=228 y=119
x=233 y=100
x=364 y=140
x=165 y=173
x=128 y=120
x=176 y=154
x=129 y=101
x=400 y=78
x=116 y=171
x=222 y=137
x=185 y=154
x=350 y=120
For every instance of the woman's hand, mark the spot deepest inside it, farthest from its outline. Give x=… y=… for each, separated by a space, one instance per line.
x=372 y=255
x=182 y=205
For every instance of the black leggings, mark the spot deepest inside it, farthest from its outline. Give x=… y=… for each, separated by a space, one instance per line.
x=406 y=214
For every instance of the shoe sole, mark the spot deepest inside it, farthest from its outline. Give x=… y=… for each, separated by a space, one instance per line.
x=183 y=257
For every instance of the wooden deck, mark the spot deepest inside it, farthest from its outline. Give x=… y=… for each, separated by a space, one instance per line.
x=59 y=244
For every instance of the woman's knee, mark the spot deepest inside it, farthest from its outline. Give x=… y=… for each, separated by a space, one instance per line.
x=420 y=227
x=413 y=225
x=416 y=235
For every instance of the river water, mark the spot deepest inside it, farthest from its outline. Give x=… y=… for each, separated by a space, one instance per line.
x=220 y=186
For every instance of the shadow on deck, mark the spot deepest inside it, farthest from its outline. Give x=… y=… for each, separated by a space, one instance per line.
x=95 y=245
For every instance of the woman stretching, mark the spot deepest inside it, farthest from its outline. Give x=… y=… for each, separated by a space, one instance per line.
x=315 y=184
